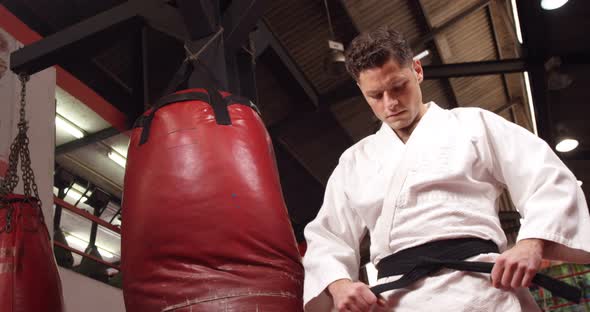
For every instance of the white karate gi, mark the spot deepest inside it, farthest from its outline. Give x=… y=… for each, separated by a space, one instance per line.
x=442 y=184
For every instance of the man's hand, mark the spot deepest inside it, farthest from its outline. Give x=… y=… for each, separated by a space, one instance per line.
x=517 y=266
x=353 y=297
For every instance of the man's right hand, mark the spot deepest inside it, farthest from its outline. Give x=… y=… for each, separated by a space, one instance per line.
x=353 y=297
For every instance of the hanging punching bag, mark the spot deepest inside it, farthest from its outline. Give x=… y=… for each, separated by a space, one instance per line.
x=206 y=228
x=29 y=280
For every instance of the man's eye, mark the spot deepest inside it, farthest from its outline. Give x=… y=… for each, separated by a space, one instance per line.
x=376 y=96
x=399 y=88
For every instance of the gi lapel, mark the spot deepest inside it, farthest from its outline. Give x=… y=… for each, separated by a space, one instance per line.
x=413 y=147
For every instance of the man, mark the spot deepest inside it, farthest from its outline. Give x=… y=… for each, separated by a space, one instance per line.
x=432 y=176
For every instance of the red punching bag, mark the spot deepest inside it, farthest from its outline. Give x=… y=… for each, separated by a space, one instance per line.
x=206 y=228
x=29 y=280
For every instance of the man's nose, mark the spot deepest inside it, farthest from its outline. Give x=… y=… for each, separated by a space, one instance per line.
x=390 y=101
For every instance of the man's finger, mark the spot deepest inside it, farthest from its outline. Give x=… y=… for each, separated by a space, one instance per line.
x=497 y=271
x=517 y=277
x=529 y=273
x=359 y=302
x=509 y=269
x=368 y=296
x=351 y=306
x=381 y=306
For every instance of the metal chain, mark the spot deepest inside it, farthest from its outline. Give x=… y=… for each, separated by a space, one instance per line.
x=20 y=149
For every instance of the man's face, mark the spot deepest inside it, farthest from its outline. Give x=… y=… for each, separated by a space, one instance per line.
x=394 y=94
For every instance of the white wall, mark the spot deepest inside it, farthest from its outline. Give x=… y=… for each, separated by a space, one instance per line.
x=81 y=294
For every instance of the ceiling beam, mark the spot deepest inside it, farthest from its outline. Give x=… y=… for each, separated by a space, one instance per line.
x=345 y=29
x=102 y=83
x=81 y=40
x=475 y=68
x=316 y=140
x=239 y=20
x=265 y=34
x=510 y=105
x=344 y=26
x=434 y=31
x=85 y=141
x=350 y=89
x=22 y=32
x=165 y=18
x=505 y=49
x=194 y=13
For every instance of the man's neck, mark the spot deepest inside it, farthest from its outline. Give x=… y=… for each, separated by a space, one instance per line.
x=405 y=133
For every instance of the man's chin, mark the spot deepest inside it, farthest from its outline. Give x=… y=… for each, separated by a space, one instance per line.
x=397 y=125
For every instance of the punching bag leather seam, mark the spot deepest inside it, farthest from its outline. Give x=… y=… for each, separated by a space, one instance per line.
x=203 y=300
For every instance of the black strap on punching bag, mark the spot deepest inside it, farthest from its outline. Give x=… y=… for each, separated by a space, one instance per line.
x=219 y=107
x=180 y=82
x=145 y=121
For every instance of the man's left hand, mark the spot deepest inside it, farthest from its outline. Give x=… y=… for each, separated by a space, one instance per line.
x=517 y=266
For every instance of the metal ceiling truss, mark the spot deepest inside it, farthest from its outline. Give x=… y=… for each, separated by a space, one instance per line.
x=75 y=46
x=195 y=13
x=494 y=15
x=239 y=20
x=350 y=88
x=474 y=68
x=82 y=40
x=85 y=141
x=434 y=31
x=266 y=37
x=431 y=35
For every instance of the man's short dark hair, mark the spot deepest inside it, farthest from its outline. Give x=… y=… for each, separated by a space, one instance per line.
x=374 y=48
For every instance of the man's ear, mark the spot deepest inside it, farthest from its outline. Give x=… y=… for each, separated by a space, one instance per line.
x=417 y=69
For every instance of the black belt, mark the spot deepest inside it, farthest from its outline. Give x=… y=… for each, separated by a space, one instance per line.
x=418 y=262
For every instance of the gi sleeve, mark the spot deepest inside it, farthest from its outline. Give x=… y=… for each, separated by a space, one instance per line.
x=544 y=190
x=333 y=239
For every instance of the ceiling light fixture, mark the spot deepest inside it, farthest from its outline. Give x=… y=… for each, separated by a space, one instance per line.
x=76 y=195
x=557 y=78
x=527 y=84
x=567 y=145
x=68 y=126
x=552 y=4
x=421 y=55
x=334 y=61
x=516 y=22
x=118 y=158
